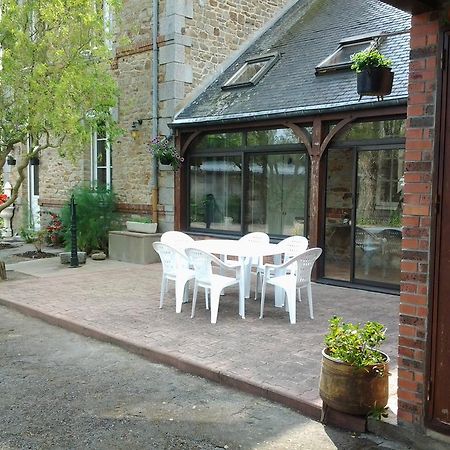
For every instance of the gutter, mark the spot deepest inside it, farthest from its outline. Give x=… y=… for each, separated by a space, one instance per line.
x=155 y=100
x=283 y=113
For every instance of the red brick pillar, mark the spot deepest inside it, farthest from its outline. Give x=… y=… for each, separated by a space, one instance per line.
x=414 y=298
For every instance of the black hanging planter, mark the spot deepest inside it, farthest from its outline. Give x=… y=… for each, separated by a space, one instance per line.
x=165 y=159
x=10 y=161
x=34 y=161
x=376 y=81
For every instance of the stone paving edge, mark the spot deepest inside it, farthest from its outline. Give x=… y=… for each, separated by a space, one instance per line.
x=152 y=354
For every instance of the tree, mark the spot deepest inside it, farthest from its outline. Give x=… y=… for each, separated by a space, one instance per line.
x=56 y=85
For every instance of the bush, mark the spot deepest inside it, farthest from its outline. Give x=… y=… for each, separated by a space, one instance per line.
x=96 y=217
x=355 y=344
x=55 y=230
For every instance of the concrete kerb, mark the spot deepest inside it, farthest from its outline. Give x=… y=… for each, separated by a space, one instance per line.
x=157 y=355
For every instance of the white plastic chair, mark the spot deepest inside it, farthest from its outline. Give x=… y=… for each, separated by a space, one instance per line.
x=205 y=278
x=297 y=277
x=291 y=246
x=256 y=237
x=175 y=268
x=177 y=239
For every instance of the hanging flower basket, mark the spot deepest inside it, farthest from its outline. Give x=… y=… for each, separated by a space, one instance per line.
x=376 y=81
x=373 y=73
x=165 y=152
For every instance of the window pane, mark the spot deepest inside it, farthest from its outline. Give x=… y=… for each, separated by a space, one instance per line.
x=215 y=193
x=378 y=216
x=381 y=129
x=277 y=193
x=101 y=177
x=101 y=153
x=220 y=140
x=272 y=137
x=338 y=212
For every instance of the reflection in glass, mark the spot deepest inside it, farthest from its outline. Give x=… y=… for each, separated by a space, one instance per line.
x=338 y=215
x=215 y=193
x=380 y=129
x=272 y=137
x=220 y=140
x=378 y=216
x=277 y=193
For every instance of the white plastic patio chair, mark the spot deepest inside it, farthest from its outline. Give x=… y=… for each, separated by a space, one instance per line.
x=292 y=281
x=177 y=239
x=291 y=246
x=204 y=277
x=256 y=237
x=175 y=268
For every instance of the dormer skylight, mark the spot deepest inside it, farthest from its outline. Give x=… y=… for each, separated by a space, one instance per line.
x=340 y=58
x=252 y=71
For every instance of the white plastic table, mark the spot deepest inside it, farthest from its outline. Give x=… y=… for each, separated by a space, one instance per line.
x=244 y=251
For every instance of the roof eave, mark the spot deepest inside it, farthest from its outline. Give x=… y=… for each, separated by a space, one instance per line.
x=284 y=114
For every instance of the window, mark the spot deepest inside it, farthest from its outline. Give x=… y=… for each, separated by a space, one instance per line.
x=340 y=58
x=252 y=71
x=258 y=183
x=101 y=170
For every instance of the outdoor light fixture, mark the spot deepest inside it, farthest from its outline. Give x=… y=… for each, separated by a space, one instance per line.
x=136 y=128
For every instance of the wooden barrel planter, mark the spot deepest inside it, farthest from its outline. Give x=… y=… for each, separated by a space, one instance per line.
x=354 y=390
x=376 y=81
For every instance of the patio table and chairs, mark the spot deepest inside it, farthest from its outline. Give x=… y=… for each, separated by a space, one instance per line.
x=184 y=259
x=245 y=251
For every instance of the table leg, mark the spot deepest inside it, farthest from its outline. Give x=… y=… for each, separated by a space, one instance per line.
x=242 y=286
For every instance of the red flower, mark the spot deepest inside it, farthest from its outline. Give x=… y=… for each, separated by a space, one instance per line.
x=3 y=198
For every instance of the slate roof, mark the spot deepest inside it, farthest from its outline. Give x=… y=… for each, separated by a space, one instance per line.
x=309 y=32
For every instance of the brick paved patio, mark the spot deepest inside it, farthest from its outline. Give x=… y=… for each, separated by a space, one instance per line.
x=118 y=302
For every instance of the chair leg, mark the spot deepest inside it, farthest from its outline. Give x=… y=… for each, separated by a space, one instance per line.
x=180 y=290
x=290 y=294
x=163 y=290
x=311 y=312
x=263 y=297
x=194 y=299
x=215 y=297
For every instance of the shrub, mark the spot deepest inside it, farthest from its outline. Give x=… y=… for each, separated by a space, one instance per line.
x=96 y=217
x=355 y=344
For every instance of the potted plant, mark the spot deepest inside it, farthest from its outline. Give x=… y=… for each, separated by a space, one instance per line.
x=373 y=72
x=165 y=152
x=354 y=376
x=141 y=225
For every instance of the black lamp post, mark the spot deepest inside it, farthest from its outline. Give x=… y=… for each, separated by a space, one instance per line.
x=73 y=234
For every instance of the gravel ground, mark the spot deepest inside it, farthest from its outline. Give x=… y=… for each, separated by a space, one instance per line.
x=59 y=390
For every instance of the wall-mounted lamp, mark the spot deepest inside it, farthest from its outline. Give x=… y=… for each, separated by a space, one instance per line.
x=136 y=128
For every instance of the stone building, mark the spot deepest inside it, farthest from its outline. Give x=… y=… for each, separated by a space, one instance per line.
x=172 y=48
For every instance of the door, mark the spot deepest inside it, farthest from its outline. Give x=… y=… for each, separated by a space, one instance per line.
x=363 y=207
x=438 y=410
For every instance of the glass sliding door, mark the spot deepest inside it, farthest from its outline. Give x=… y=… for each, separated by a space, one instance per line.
x=379 y=193
x=363 y=209
x=277 y=192
x=215 y=192
x=338 y=214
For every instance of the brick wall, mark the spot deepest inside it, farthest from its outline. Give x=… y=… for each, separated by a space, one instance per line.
x=414 y=298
